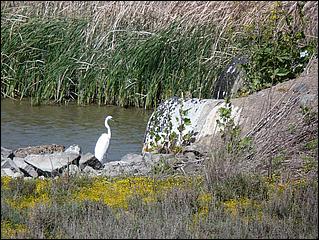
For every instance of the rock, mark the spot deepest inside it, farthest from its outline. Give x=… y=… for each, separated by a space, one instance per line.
x=90 y=171
x=131 y=164
x=198 y=149
x=300 y=88
x=179 y=123
x=151 y=158
x=42 y=149
x=264 y=118
x=71 y=170
x=27 y=169
x=8 y=163
x=73 y=149
x=18 y=174
x=308 y=99
x=198 y=117
x=190 y=155
x=89 y=159
x=132 y=158
x=147 y=156
x=9 y=172
x=6 y=153
x=49 y=164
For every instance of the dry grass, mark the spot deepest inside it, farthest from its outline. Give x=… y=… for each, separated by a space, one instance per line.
x=240 y=206
x=154 y=15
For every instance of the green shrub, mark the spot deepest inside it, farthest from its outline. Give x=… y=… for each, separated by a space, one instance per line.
x=278 y=49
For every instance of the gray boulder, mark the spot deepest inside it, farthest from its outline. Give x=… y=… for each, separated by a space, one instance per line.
x=131 y=158
x=89 y=159
x=151 y=159
x=71 y=170
x=50 y=164
x=9 y=172
x=130 y=164
x=8 y=163
x=6 y=153
x=73 y=149
x=27 y=169
x=90 y=171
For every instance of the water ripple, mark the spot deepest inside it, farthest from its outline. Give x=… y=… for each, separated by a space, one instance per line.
x=24 y=125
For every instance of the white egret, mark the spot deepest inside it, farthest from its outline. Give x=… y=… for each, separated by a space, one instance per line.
x=103 y=142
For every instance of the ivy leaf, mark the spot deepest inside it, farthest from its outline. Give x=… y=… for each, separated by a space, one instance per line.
x=282 y=72
x=187 y=121
x=186 y=111
x=283 y=58
x=181 y=127
x=157 y=138
x=172 y=136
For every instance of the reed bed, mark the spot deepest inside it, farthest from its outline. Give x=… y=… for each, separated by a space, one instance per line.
x=124 y=53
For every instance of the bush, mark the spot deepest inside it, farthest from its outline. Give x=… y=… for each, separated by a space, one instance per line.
x=278 y=49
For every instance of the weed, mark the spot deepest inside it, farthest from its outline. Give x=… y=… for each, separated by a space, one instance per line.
x=230 y=131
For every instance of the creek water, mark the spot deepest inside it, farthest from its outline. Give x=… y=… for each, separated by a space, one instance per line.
x=25 y=125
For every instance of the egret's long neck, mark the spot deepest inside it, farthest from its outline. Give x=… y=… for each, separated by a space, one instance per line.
x=108 y=128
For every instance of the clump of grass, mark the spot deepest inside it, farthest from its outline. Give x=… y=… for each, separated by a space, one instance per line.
x=53 y=61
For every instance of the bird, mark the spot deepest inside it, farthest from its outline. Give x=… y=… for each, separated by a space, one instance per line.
x=103 y=142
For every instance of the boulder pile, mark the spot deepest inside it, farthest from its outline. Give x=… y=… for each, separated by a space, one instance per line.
x=54 y=160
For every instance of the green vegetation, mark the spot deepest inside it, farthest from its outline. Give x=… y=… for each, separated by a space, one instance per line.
x=278 y=49
x=309 y=115
x=107 y=54
x=168 y=140
x=53 y=60
x=231 y=132
x=242 y=206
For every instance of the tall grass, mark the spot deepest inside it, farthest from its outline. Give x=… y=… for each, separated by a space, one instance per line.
x=144 y=69
x=122 y=53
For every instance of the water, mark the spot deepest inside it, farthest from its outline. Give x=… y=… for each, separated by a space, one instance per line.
x=25 y=125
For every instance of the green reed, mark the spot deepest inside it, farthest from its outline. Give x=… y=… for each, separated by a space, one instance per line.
x=56 y=60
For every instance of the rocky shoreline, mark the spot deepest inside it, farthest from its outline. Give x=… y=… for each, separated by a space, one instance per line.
x=49 y=161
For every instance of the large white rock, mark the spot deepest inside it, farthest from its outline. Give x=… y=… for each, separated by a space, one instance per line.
x=8 y=163
x=24 y=167
x=9 y=172
x=177 y=121
x=6 y=153
x=52 y=162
